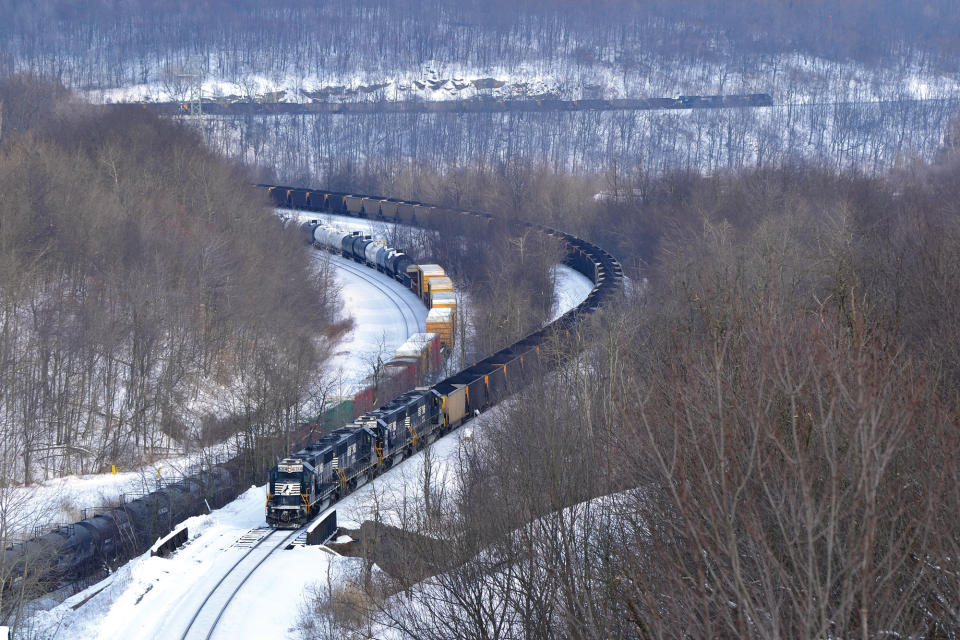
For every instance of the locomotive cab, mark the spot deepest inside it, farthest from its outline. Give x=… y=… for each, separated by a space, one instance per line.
x=288 y=494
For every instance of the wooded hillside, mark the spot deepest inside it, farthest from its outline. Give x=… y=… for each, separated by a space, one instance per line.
x=145 y=291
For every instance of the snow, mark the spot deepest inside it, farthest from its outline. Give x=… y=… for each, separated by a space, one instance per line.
x=385 y=314
x=378 y=229
x=571 y=288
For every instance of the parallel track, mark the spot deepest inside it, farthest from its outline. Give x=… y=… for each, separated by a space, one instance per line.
x=204 y=622
x=396 y=300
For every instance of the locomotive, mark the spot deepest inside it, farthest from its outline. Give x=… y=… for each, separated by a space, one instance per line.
x=308 y=481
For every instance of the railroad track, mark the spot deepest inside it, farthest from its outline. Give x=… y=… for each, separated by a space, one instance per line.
x=204 y=622
x=396 y=300
x=260 y=544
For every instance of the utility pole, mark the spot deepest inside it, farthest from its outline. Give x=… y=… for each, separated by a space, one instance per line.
x=195 y=75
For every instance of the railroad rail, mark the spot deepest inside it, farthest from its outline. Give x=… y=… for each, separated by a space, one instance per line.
x=395 y=300
x=71 y=553
x=203 y=623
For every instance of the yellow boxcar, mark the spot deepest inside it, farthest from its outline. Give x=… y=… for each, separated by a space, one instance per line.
x=441 y=322
x=438 y=285
x=419 y=279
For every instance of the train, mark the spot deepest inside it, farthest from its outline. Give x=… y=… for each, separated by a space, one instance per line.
x=308 y=481
x=92 y=545
x=323 y=468
x=360 y=248
x=481 y=104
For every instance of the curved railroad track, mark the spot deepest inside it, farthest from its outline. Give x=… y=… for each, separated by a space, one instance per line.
x=203 y=623
x=479 y=386
x=396 y=300
x=583 y=256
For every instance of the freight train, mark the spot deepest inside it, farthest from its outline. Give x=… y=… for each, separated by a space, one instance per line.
x=339 y=461
x=305 y=483
x=474 y=105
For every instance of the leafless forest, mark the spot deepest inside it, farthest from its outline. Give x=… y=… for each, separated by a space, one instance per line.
x=142 y=286
x=761 y=439
x=105 y=44
x=763 y=444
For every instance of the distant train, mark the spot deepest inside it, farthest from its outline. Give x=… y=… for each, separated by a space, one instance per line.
x=483 y=104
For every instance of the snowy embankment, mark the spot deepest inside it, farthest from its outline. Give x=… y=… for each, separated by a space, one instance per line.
x=64 y=500
x=384 y=314
x=571 y=288
x=152 y=597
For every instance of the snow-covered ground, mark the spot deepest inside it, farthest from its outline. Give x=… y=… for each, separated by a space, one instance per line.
x=384 y=313
x=64 y=500
x=571 y=288
x=379 y=229
x=155 y=597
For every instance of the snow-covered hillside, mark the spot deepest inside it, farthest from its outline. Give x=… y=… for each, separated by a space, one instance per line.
x=789 y=78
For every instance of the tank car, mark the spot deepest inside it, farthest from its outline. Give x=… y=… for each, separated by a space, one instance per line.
x=358 y=248
x=308 y=228
x=346 y=245
x=370 y=253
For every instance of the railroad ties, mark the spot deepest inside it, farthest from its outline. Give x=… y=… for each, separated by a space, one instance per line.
x=251 y=538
